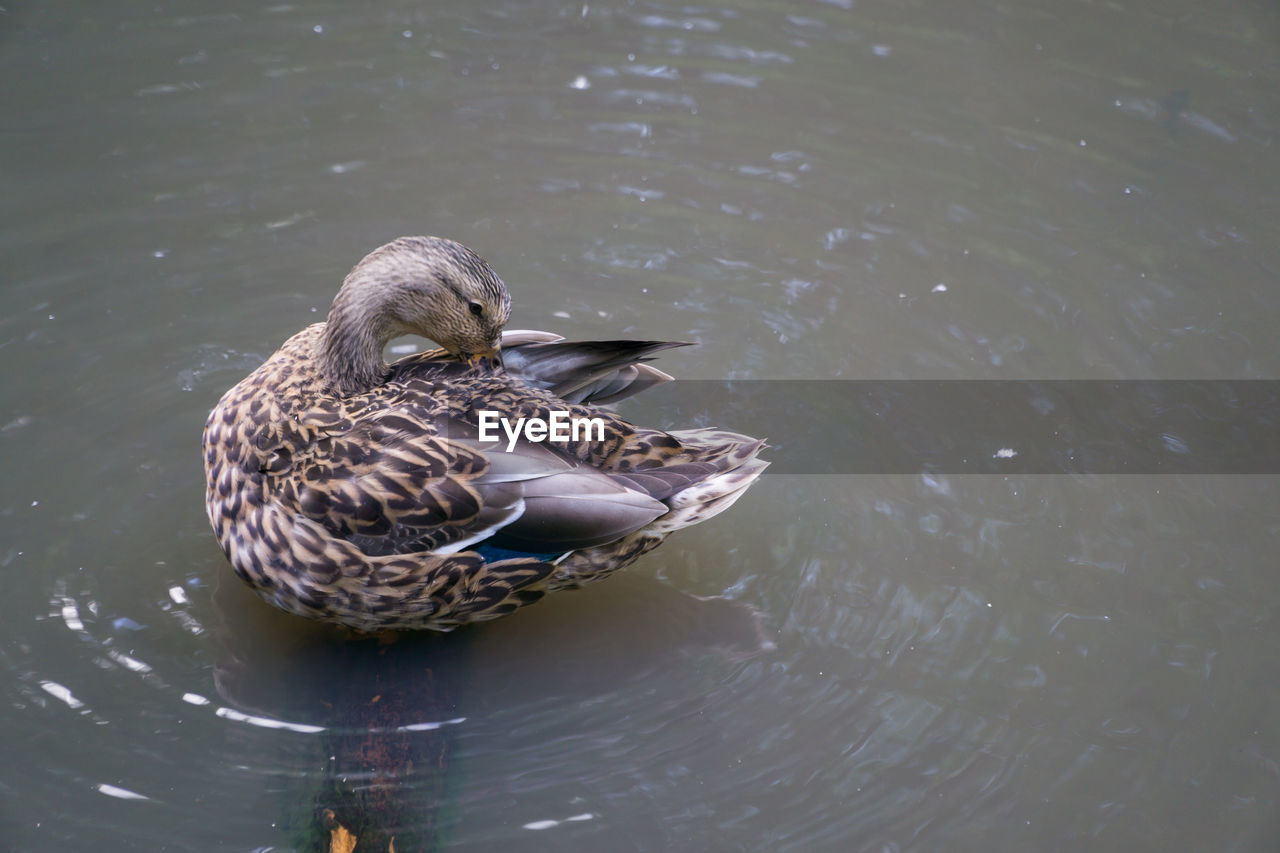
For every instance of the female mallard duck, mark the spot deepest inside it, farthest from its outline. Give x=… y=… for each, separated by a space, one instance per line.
x=348 y=490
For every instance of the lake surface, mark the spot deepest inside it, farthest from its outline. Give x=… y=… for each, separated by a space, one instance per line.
x=854 y=657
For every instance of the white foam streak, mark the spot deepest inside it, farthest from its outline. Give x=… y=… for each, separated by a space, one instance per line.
x=57 y=691
x=71 y=615
x=127 y=662
x=120 y=793
x=267 y=722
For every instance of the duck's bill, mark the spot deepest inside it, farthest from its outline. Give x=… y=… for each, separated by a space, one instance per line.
x=490 y=356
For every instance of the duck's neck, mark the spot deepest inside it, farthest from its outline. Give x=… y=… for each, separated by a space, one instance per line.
x=354 y=337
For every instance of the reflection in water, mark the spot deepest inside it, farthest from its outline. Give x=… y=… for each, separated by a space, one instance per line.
x=382 y=713
x=387 y=711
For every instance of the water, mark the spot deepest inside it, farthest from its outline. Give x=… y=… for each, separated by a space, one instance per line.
x=887 y=191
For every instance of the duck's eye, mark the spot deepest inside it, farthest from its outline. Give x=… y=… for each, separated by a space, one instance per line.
x=475 y=308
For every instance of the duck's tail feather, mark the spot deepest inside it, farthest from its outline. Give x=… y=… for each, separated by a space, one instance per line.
x=725 y=466
x=594 y=372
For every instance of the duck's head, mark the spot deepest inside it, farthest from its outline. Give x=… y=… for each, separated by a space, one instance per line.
x=424 y=286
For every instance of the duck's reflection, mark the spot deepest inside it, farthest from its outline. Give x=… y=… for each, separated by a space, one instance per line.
x=392 y=707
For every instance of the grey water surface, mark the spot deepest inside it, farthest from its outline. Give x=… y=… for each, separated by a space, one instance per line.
x=852 y=658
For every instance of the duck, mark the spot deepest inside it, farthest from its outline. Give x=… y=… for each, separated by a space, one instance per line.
x=382 y=497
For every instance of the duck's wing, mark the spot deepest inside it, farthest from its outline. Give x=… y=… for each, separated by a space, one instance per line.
x=390 y=484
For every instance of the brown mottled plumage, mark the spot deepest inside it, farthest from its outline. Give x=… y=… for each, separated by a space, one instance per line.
x=348 y=490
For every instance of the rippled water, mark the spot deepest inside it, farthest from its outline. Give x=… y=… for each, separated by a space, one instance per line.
x=826 y=190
